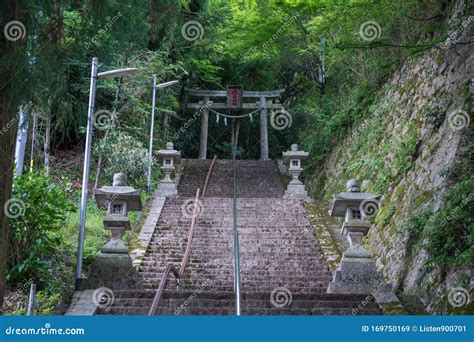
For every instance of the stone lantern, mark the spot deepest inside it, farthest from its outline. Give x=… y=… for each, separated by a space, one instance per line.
x=169 y=157
x=113 y=266
x=357 y=273
x=118 y=199
x=293 y=160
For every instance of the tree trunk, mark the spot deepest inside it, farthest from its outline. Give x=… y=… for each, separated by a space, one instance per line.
x=11 y=54
x=7 y=146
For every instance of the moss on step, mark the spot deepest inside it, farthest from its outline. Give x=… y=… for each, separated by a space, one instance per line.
x=135 y=247
x=319 y=222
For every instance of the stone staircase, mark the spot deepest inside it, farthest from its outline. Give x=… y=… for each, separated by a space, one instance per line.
x=283 y=271
x=255 y=178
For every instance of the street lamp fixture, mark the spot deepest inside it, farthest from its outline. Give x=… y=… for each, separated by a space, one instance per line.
x=116 y=73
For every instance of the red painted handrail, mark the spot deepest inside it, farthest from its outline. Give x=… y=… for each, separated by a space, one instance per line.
x=170 y=268
x=204 y=188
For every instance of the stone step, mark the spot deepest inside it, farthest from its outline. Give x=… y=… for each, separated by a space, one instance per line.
x=230 y=302
x=254 y=179
x=246 y=270
x=189 y=310
x=184 y=294
x=222 y=303
x=245 y=287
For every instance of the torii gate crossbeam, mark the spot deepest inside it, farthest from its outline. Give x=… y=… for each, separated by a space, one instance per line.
x=261 y=104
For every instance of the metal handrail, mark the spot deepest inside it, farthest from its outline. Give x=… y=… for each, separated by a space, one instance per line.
x=204 y=188
x=187 y=252
x=161 y=288
x=170 y=267
x=236 y=233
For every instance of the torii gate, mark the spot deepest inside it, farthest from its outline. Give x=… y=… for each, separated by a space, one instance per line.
x=235 y=99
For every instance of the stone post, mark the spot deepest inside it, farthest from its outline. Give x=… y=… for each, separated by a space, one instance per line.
x=204 y=130
x=263 y=129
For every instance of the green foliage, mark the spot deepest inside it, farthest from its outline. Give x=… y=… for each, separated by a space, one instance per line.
x=448 y=233
x=385 y=215
x=225 y=150
x=260 y=44
x=36 y=234
x=122 y=153
x=204 y=70
x=46 y=302
x=416 y=223
x=95 y=235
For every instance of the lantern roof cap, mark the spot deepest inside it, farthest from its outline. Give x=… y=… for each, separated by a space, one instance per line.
x=119 y=191
x=344 y=200
x=294 y=153
x=169 y=152
x=128 y=194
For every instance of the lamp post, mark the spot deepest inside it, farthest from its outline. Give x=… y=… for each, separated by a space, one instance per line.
x=87 y=154
x=152 y=125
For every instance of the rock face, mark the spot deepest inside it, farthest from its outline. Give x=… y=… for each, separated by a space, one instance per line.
x=283 y=270
x=406 y=147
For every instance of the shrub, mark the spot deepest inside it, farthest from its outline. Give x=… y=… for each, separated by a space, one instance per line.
x=447 y=234
x=450 y=234
x=122 y=153
x=42 y=208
